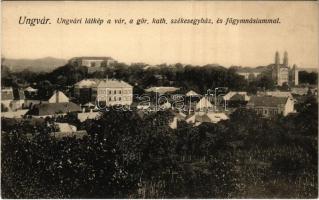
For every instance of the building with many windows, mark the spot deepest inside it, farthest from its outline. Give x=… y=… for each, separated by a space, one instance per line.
x=271 y=106
x=114 y=92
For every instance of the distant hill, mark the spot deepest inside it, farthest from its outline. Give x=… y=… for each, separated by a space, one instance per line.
x=46 y=64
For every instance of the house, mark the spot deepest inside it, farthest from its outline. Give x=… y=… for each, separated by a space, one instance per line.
x=177 y=117
x=53 y=109
x=235 y=99
x=6 y=98
x=114 y=92
x=270 y=106
x=67 y=130
x=83 y=116
x=208 y=117
x=204 y=104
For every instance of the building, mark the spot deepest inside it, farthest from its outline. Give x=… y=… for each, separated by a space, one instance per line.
x=250 y=73
x=6 y=99
x=235 y=99
x=112 y=92
x=53 y=109
x=93 y=63
x=270 y=106
x=282 y=73
x=209 y=117
x=67 y=130
x=86 y=90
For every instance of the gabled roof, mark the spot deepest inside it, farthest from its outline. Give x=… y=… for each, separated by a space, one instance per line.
x=204 y=103
x=191 y=93
x=112 y=83
x=53 y=108
x=267 y=101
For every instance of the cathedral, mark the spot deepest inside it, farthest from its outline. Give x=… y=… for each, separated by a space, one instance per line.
x=282 y=73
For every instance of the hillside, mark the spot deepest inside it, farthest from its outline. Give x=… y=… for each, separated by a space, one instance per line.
x=46 y=64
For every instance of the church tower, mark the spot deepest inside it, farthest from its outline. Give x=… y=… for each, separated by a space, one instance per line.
x=276 y=67
x=285 y=61
x=277 y=58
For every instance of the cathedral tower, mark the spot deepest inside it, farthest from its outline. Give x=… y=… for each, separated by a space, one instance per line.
x=285 y=61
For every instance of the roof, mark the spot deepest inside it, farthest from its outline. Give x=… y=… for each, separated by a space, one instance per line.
x=161 y=89
x=267 y=101
x=58 y=97
x=204 y=103
x=53 y=108
x=6 y=94
x=230 y=94
x=192 y=93
x=87 y=83
x=65 y=127
x=278 y=94
x=237 y=97
x=30 y=89
x=107 y=83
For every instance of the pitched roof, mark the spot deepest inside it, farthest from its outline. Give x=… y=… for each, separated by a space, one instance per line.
x=230 y=94
x=54 y=108
x=112 y=83
x=267 y=101
x=87 y=83
x=237 y=97
x=30 y=89
x=192 y=93
x=204 y=103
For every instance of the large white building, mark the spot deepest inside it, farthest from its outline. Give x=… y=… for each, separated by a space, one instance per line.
x=114 y=92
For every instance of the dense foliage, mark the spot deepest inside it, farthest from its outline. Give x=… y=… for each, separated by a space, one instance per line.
x=129 y=155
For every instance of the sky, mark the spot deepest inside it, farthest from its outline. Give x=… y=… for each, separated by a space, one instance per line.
x=241 y=45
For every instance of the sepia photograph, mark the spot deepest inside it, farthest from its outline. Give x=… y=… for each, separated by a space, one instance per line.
x=159 y=99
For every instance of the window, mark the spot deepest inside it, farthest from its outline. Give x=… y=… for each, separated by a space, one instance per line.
x=110 y=99
x=120 y=92
x=110 y=92
x=265 y=112
x=120 y=98
x=114 y=91
x=114 y=98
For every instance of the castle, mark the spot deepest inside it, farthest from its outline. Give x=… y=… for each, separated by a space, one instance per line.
x=282 y=73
